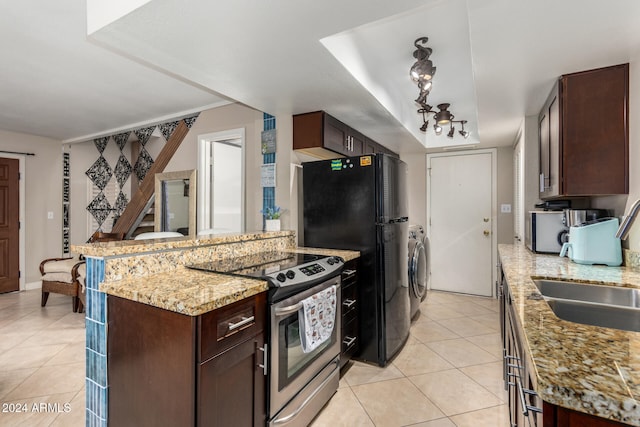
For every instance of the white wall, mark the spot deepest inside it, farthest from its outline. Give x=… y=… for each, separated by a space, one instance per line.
x=43 y=188
x=286 y=174
x=633 y=242
x=505 y=193
x=231 y=116
x=417 y=187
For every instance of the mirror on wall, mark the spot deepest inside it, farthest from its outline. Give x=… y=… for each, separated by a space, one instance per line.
x=175 y=202
x=221 y=188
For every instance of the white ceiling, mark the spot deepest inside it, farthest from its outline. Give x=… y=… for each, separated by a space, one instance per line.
x=496 y=61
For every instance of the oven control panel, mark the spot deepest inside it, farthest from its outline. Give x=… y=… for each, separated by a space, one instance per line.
x=312 y=269
x=306 y=272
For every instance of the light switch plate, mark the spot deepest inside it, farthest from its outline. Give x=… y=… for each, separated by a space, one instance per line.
x=49 y=215
x=505 y=208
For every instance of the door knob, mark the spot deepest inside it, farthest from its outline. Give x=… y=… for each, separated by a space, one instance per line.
x=486 y=232
x=486 y=219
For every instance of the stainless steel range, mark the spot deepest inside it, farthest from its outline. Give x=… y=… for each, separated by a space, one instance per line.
x=300 y=383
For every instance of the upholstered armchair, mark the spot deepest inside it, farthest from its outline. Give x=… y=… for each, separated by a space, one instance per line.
x=66 y=276
x=61 y=276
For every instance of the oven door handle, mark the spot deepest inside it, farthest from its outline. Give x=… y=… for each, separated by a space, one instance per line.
x=284 y=311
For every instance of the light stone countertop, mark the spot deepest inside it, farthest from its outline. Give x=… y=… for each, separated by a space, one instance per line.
x=186 y=291
x=128 y=247
x=194 y=292
x=590 y=369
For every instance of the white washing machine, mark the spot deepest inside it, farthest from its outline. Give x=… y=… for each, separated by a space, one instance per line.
x=419 y=267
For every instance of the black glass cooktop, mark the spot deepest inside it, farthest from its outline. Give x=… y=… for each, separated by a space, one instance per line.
x=258 y=265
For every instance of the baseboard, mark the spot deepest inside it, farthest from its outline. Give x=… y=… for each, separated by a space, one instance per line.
x=33 y=285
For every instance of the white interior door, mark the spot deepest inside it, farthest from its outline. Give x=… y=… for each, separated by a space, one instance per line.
x=221 y=184
x=460 y=213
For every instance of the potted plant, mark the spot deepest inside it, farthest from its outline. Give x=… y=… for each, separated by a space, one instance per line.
x=272 y=218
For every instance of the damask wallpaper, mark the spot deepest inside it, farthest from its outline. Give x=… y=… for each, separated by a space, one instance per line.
x=104 y=173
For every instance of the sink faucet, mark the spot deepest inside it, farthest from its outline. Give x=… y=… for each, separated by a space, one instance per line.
x=623 y=230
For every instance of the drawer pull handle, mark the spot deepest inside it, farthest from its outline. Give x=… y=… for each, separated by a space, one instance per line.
x=244 y=321
x=348 y=302
x=534 y=409
x=264 y=365
x=348 y=341
x=348 y=273
x=523 y=401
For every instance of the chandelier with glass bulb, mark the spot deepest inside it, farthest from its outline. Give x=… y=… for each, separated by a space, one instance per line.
x=422 y=72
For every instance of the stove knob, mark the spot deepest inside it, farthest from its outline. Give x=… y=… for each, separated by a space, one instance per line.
x=331 y=261
x=291 y=274
x=281 y=277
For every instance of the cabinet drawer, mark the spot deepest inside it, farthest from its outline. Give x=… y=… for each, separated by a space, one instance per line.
x=225 y=327
x=349 y=339
x=349 y=276
x=349 y=302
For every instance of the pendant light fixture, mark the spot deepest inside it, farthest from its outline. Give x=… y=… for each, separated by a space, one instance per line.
x=422 y=72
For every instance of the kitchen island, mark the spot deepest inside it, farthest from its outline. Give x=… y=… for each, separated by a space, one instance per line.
x=152 y=273
x=582 y=373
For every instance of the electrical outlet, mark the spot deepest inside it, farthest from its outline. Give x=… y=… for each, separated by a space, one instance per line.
x=49 y=215
x=505 y=208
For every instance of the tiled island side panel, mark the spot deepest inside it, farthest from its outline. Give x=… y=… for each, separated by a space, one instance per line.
x=96 y=346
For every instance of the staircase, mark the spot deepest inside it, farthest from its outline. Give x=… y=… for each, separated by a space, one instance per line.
x=136 y=213
x=147 y=223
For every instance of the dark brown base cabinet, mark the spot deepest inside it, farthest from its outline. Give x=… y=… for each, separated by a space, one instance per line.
x=349 y=333
x=526 y=408
x=165 y=368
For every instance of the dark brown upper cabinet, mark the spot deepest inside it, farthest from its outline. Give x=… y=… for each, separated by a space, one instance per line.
x=584 y=135
x=321 y=135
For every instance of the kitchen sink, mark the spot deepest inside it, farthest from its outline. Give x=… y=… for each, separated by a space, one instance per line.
x=608 y=316
x=625 y=297
x=590 y=304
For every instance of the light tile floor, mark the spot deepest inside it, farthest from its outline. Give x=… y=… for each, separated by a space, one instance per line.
x=448 y=373
x=42 y=361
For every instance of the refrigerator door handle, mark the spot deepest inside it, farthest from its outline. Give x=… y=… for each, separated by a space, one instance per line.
x=401 y=219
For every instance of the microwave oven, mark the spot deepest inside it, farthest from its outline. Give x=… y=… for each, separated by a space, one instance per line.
x=547 y=231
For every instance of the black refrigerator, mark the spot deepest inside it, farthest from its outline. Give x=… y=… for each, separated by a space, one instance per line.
x=360 y=203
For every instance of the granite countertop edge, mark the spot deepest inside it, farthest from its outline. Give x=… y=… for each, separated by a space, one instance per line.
x=129 y=247
x=590 y=369
x=193 y=292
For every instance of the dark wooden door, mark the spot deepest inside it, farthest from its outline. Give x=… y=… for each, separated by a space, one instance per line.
x=9 y=225
x=335 y=135
x=595 y=132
